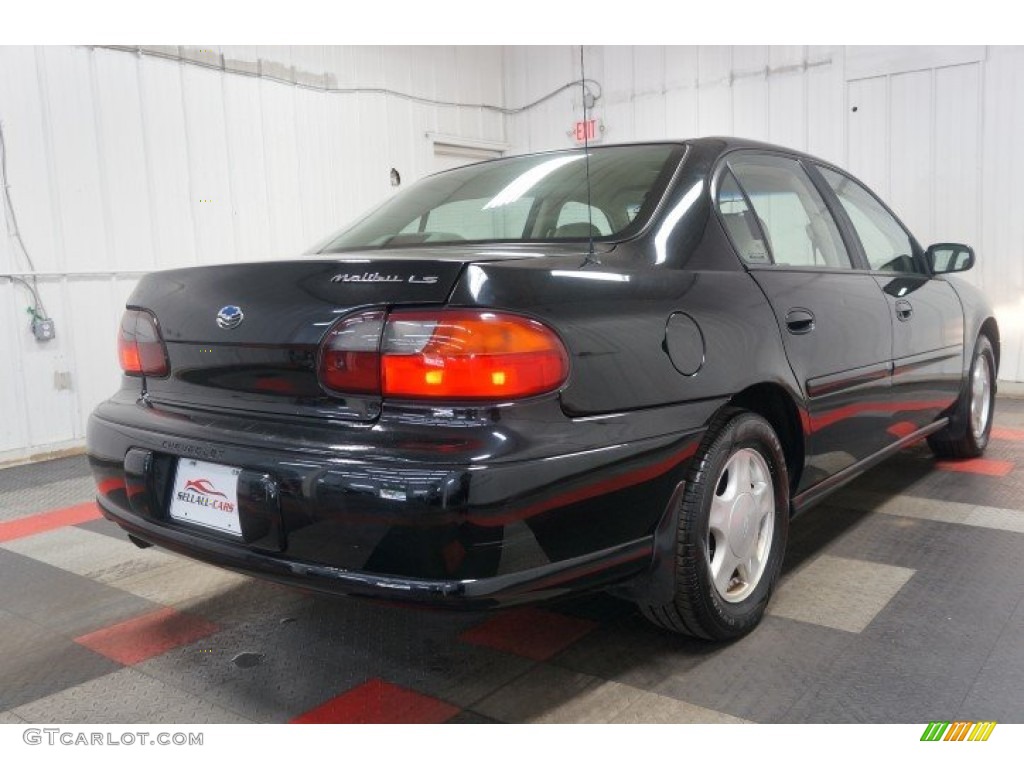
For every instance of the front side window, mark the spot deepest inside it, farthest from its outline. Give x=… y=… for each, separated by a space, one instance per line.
x=538 y=198
x=800 y=229
x=886 y=244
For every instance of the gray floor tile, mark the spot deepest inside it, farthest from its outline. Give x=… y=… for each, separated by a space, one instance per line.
x=762 y=675
x=125 y=696
x=655 y=709
x=838 y=592
x=107 y=528
x=89 y=554
x=549 y=694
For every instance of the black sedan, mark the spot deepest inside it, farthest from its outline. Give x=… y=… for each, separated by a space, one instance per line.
x=623 y=368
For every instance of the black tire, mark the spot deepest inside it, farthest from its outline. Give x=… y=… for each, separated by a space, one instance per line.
x=958 y=440
x=698 y=609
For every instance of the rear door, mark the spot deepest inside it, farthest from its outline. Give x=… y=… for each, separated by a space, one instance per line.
x=834 y=319
x=928 y=326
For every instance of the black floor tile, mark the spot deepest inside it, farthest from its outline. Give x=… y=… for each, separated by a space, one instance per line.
x=633 y=651
x=998 y=690
x=52 y=664
x=43 y=472
x=468 y=717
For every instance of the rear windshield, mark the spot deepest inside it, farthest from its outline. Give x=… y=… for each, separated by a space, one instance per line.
x=537 y=198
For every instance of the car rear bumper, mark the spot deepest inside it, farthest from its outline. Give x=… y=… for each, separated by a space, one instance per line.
x=575 y=574
x=448 y=532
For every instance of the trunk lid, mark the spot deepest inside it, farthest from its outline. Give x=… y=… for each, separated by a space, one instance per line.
x=245 y=337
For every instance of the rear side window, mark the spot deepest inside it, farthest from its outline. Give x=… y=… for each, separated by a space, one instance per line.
x=799 y=227
x=740 y=222
x=886 y=244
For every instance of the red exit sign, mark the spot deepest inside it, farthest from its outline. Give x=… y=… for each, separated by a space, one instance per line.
x=585 y=131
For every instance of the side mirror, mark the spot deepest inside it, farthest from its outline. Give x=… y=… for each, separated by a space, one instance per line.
x=944 y=258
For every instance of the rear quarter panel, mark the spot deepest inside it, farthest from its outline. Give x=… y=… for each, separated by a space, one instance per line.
x=612 y=317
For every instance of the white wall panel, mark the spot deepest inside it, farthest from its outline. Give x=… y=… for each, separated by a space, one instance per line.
x=750 y=90
x=122 y=159
x=911 y=159
x=1001 y=256
x=787 y=109
x=121 y=162
x=167 y=165
x=867 y=132
x=203 y=103
x=250 y=193
x=714 y=95
x=826 y=103
x=957 y=176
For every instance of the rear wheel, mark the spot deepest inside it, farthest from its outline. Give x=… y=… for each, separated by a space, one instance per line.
x=968 y=433
x=732 y=529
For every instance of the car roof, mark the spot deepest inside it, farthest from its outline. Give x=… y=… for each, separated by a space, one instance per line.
x=714 y=145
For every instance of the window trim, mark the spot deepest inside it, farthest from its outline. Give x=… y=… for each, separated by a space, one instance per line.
x=852 y=248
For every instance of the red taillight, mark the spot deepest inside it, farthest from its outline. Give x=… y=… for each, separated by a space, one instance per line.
x=139 y=346
x=350 y=355
x=443 y=355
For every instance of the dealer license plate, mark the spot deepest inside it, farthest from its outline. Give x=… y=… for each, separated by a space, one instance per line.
x=206 y=494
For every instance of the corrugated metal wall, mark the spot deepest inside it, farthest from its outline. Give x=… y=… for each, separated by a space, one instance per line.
x=121 y=163
x=936 y=130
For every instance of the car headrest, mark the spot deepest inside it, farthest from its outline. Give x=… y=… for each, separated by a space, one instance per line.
x=578 y=229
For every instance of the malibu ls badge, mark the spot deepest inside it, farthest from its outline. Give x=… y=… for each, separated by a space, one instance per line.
x=230 y=317
x=377 y=277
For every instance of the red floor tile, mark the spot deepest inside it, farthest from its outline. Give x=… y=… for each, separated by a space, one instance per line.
x=901 y=428
x=147 y=636
x=531 y=632
x=991 y=467
x=47 y=521
x=1007 y=433
x=377 y=701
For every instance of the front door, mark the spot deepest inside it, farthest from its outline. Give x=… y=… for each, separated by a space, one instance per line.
x=927 y=319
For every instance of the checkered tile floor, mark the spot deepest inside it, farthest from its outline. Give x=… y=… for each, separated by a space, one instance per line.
x=902 y=601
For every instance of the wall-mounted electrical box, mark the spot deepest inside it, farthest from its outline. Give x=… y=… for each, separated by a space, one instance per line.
x=43 y=329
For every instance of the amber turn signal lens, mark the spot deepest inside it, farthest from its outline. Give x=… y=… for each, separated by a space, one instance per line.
x=469 y=354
